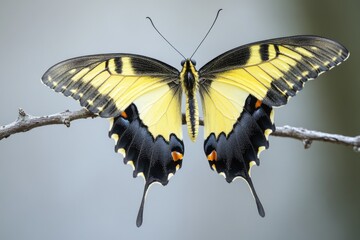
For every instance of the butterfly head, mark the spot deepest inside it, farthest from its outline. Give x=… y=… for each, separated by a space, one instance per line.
x=188 y=61
x=189 y=75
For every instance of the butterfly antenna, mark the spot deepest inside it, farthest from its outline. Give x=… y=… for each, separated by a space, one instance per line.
x=217 y=15
x=164 y=37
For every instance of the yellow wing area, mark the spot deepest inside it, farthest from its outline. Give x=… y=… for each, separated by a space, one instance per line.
x=160 y=110
x=222 y=104
x=107 y=84
x=272 y=71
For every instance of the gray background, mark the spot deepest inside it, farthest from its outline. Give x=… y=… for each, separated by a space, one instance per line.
x=67 y=183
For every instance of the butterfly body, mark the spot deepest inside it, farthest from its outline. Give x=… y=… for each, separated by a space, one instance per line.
x=238 y=90
x=189 y=79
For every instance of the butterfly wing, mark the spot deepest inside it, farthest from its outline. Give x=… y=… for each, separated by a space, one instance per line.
x=239 y=88
x=142 y=96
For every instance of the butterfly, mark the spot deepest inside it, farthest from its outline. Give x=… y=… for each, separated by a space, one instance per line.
x=238 y=90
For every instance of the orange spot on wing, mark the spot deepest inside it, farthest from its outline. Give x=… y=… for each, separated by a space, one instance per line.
x=258 y=104
x=212 y=156
x=176 y=156
x=124 y=115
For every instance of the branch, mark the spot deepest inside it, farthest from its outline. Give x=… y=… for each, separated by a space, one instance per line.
x=308 y=136
x=27 y=122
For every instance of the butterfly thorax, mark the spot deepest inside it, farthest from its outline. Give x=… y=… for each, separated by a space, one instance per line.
x=189 y=79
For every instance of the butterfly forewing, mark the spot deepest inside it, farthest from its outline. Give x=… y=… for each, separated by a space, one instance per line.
x=276 y=69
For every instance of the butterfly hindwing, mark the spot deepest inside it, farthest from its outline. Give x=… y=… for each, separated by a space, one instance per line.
x=239 y=88
x=142 y=98
x=156 y=160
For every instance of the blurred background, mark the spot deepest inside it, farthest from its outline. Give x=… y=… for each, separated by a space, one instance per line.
x=68 y=183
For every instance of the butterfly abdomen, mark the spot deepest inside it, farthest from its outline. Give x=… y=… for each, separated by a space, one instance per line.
x=192 y=117
x=189 y=79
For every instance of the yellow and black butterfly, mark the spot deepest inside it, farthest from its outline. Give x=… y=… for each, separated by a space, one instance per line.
x=238 y=89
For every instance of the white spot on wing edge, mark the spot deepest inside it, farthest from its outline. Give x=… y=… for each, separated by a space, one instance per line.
x=272 y=115
x=213 y=167
x=251 y=164
x=267 y=133
x=111 y=120
x=115 y=137
x=260 y=149
x=141 y=174
x=177 y=167
x=122 y=152
x=131 y=163
x=170 y=175
x=321 y=72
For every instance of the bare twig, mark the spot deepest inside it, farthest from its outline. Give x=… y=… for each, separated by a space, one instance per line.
x=27 y=122
x=308 y=136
